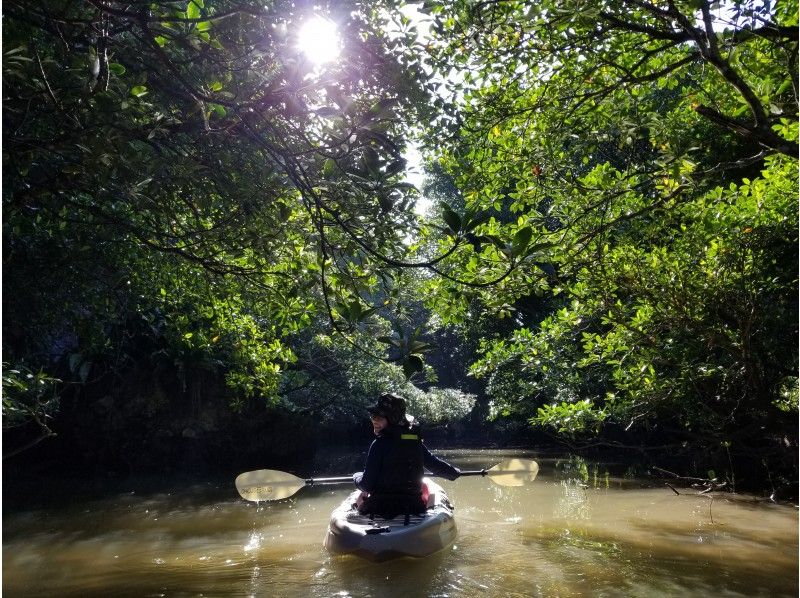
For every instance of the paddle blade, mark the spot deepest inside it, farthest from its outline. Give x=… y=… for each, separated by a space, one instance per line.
x=514 y=472
x=267 y=484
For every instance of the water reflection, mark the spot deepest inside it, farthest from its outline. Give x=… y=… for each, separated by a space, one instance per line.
x=580 y=529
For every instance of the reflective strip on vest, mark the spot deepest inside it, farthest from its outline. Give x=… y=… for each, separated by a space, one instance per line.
x=409 y=437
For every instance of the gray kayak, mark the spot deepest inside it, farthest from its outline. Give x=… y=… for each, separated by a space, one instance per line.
x=380 y=539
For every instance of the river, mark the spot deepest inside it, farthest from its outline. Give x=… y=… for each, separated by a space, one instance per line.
x=581 y=529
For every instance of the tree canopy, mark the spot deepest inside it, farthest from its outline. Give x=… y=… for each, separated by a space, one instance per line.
x=638 y=162
x=614 y=228
x=185 y=164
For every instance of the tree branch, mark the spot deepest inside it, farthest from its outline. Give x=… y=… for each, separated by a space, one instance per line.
x=763 y=135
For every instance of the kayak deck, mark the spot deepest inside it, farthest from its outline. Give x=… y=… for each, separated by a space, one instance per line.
x=380 y=539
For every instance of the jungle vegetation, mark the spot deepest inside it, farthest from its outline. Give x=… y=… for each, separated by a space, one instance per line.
x=195 y=213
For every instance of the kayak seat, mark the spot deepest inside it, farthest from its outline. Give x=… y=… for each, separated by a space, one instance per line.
x=389 y=506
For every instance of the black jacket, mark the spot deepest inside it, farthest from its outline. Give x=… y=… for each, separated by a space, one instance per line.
x=396 y=461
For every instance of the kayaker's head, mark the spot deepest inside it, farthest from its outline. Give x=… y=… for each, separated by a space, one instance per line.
x=379 y=423
x=388 y=410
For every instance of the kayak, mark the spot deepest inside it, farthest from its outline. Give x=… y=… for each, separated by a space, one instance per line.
x=380 y=539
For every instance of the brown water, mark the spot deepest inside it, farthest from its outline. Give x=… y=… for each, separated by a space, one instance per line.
x=577 y=530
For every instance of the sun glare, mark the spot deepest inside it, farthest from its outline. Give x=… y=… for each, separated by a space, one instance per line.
x=319 y=40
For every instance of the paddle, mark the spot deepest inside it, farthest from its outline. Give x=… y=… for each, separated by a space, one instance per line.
x=269 y=484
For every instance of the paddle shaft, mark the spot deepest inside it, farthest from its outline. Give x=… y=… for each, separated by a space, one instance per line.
x=325 y=481
x=480 y=472
x=348 y=478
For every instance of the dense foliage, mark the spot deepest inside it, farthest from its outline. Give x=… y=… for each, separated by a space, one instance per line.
x=188 y=199
x=638 y=162
x=184 y=190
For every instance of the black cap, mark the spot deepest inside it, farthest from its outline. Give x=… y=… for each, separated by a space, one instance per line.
x=389 y=406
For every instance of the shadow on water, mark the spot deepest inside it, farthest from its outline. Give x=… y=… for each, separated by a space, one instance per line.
x=581 y=529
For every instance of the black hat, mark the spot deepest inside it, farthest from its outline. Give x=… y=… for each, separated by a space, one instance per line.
x=389 y=406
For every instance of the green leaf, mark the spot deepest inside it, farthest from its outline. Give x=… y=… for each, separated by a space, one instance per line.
x=138 y=91
x=363 y=315
x=412 y=364
x=329 y=167
x=390 y=341
x=193 y=9
x=494 y=240
x=344 y=310
x=785 y=86
x=521 y=240
x=420 y=346
x=116 y=68
x=452 y=219
x=541 y=246
x=472 y=220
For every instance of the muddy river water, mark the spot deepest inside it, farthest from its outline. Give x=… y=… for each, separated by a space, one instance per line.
x=581 y=529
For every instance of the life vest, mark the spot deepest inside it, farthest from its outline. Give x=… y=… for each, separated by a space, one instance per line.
x=402 y=468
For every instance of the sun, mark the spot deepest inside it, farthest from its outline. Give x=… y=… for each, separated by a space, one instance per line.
x=319 y=40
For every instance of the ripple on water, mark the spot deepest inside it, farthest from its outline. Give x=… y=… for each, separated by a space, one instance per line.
x=566 y=534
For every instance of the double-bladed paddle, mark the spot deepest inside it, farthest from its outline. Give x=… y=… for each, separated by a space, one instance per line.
x=270 y=484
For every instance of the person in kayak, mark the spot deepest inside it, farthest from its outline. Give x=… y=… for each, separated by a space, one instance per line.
x=391 y=483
